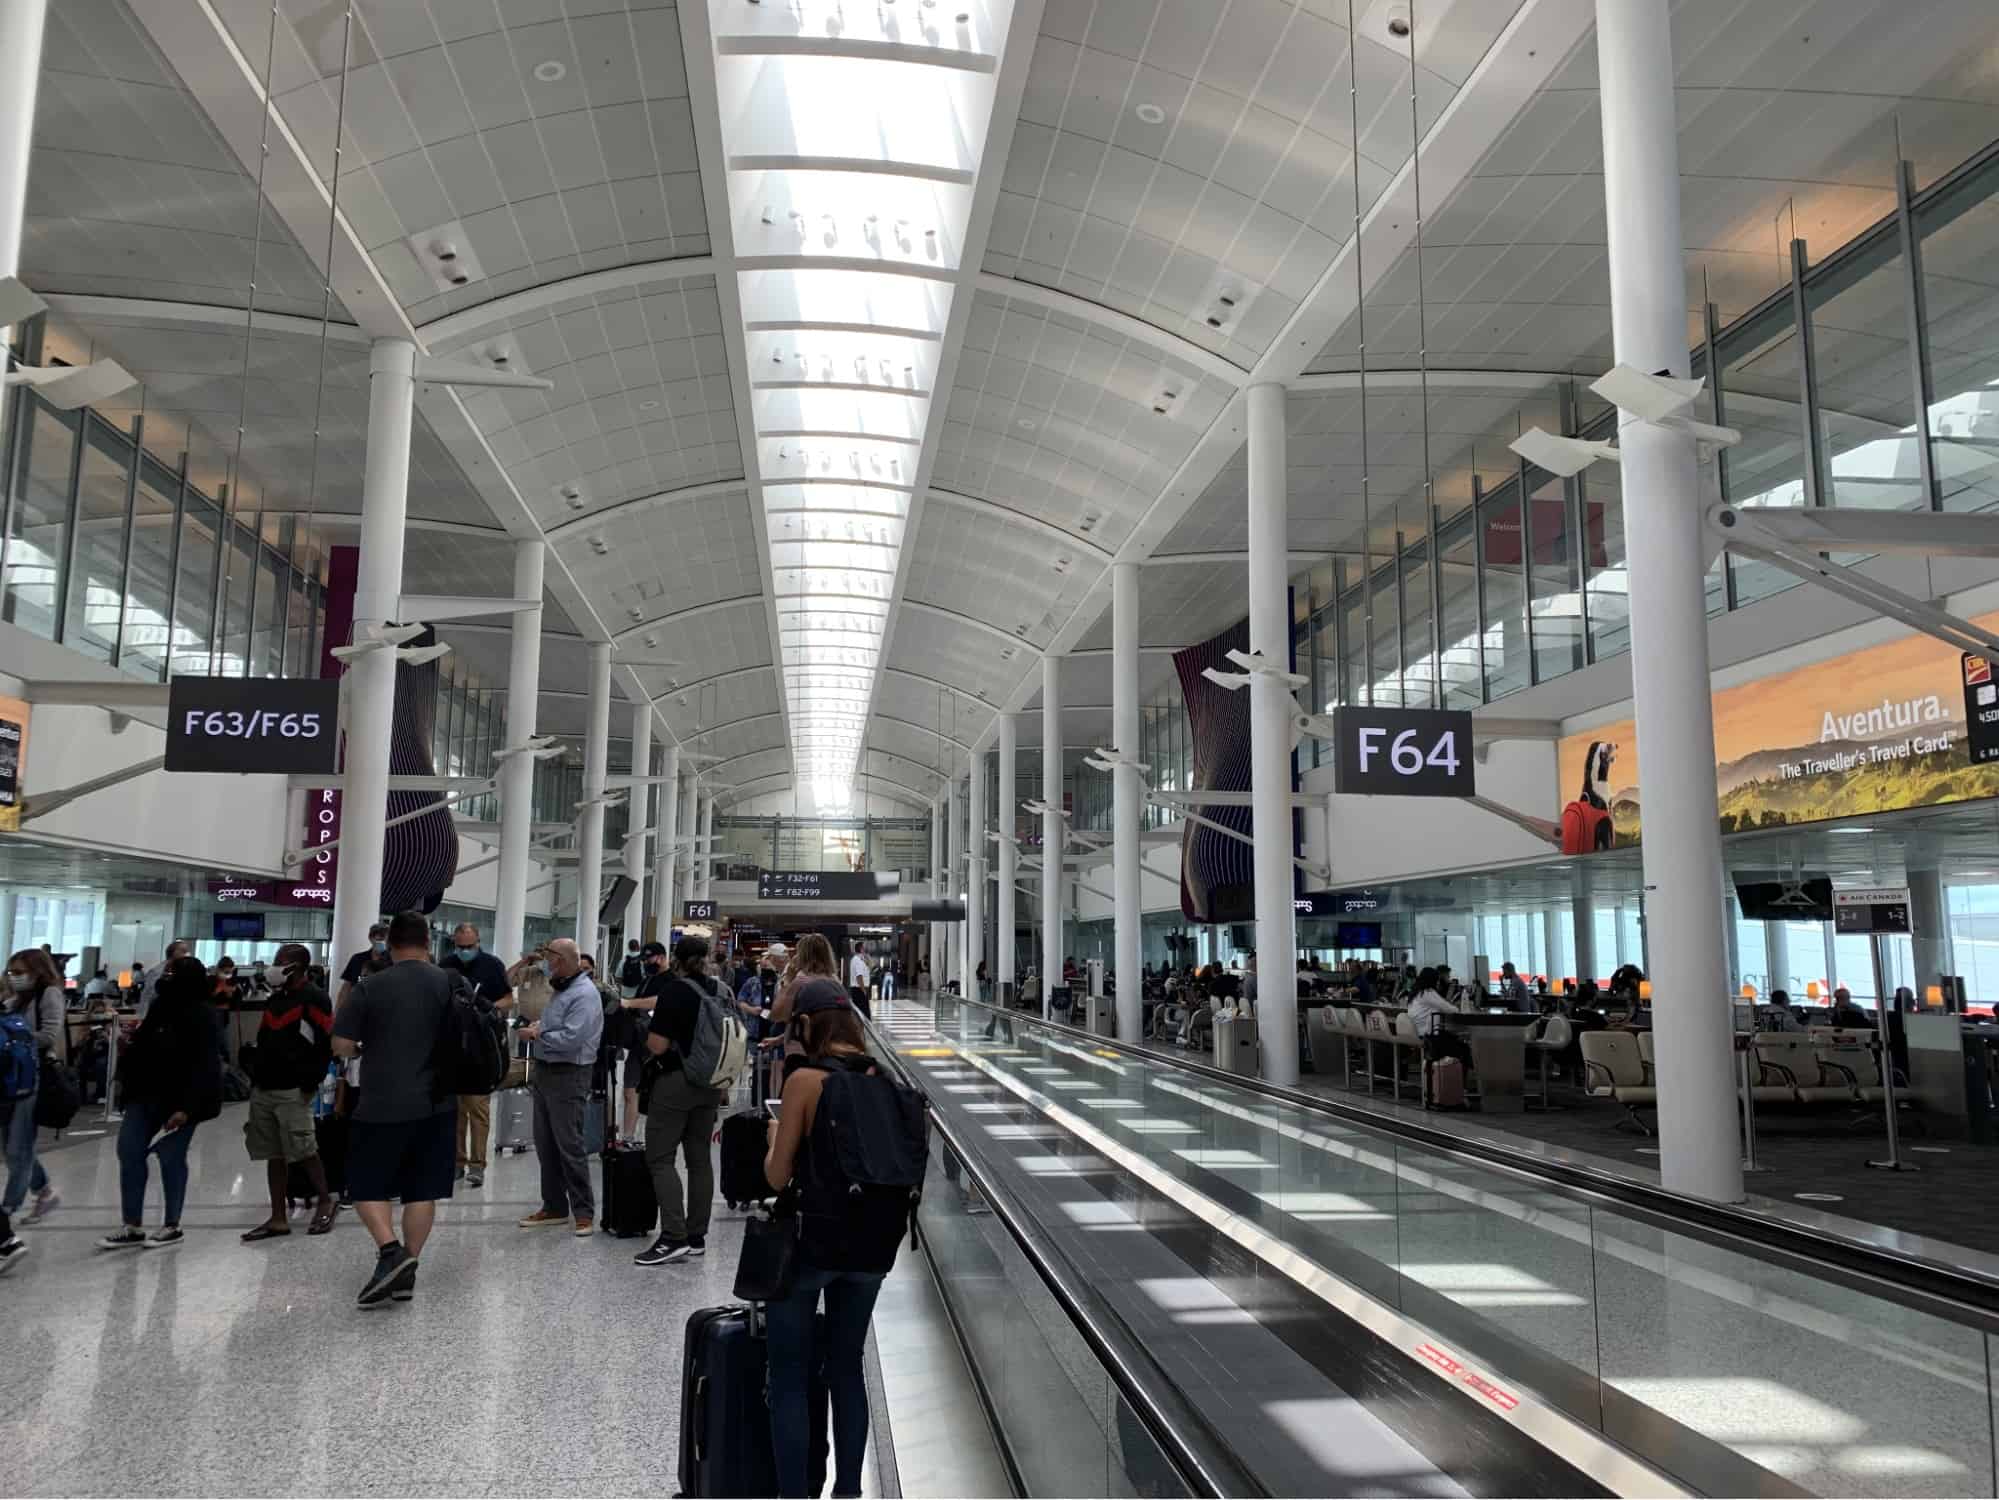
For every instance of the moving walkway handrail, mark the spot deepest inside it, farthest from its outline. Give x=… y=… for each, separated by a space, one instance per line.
x=1961 y=1294
x=1212 y=1474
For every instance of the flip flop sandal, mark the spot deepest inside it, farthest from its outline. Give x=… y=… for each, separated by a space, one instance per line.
x=323 y=1223
x=264 y=1232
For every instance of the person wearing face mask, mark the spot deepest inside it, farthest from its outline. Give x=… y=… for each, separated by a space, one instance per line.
x=487 y=977
x=177 y=949
x=370 y=960
x=293 y=1046
x=34 y=995
x=173 y=1082
x=566 y=1039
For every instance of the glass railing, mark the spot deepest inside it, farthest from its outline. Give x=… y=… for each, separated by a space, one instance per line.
x=1723 y=1350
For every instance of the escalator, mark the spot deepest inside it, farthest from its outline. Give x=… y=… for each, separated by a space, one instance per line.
x=1170 y=1280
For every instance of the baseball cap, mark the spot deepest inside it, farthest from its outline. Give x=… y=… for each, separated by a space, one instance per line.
x=653 y=950
x=777 y=950
x=819 y=994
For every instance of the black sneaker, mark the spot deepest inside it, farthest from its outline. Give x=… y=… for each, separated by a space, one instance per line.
x=697 y=1244
x=165 y=1238
x=404 y=1287
x=12 y=1254
x=662 y=1251
x=394 y=1267
x=123 y=1239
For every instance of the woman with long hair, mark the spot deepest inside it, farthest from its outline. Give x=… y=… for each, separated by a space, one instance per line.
x=34 y=993
x=172 y=1075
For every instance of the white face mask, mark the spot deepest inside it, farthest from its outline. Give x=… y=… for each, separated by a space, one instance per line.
x=21 y=983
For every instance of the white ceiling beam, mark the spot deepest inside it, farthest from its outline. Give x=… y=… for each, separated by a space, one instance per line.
x=643 y=505
x=1198 y=559
x=1123 y=325
x=90 y=307
x=660 y=622
x=1061 y=536
x=969 y=622
x=508 y=312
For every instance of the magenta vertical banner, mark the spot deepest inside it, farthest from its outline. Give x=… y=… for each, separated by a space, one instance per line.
x=322 y=804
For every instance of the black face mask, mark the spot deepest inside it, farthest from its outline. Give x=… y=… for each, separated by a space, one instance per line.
x=564 y=981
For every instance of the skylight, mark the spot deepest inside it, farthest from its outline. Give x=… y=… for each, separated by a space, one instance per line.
x=853 y=134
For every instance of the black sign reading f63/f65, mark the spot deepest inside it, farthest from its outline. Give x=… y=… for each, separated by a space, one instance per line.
x=280 y=724
x=1403 y=752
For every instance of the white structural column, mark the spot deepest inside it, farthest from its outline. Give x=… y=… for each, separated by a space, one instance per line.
x=975 y=874
x=1051 y=828
x=1270 y=709
x=690 y=825
x=954 y=848
x=371 y=676
x=704 y=879
x=1699 y=1140
x=1127 y=802
x=666 y=859
x=21 y=27
x=1006 y=816
x=517 y=770
x=640 y=818
x=590 y=826
x=937 y=890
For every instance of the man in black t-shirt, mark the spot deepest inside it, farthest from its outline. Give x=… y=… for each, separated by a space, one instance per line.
x=400 y=1142
x=369 y=960
x=488 y=978
x=680 y=1115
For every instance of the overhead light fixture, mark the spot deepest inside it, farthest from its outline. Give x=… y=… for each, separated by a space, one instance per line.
x=1151 y=114
x=552 y=71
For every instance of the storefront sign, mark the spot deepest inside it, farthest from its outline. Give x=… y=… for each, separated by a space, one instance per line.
x=252 y=724
x=13 y=761
x=1876 y=730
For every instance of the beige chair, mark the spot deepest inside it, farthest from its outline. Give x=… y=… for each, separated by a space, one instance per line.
x=1613 y=1069
x=1849 y=1054
x=1322 y=1031
x=1788 y=1060
x=1408 y=1045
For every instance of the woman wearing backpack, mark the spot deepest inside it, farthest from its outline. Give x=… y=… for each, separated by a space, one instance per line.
x=173 y=1081
x=33 y=1000
x=848 y=1234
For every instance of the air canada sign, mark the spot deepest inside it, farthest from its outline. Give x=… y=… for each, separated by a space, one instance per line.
x=1908 y=723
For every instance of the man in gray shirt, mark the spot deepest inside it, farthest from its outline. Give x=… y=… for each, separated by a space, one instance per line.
x=400 y=1143
x=566 y=1039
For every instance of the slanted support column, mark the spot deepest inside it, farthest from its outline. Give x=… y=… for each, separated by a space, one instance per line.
x=640 y=817
x=1006 y=816
x=1270 y=709
x=517 y=770
x=22 y=23
x=1699 y=1138
x=954 y=854
x=371 y=675
x=1127 y=801
x=666 y=859
x=1051 y=827
x=590 y=826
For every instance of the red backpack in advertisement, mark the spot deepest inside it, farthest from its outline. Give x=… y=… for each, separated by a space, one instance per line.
x=1586 y=822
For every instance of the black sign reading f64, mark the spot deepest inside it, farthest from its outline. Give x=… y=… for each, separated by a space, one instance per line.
x=1403 y=752
x=252 y=724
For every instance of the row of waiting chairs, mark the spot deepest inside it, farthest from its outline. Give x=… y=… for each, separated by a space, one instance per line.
x=1822 y=1066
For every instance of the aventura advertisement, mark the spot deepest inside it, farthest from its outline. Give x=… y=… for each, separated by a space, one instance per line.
x=1875 y=730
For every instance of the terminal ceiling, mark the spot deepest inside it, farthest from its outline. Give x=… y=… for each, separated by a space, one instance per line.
x=1155 y=207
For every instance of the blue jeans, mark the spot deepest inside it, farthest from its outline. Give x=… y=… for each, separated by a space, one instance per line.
x=850 y=1304
x=24 y=1168
x=135 y=1143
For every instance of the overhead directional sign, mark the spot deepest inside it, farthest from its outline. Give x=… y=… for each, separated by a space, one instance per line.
x=823 y=885
x=1403 y=752
x=698 y=911
x=1878 y=909
x=253 y=724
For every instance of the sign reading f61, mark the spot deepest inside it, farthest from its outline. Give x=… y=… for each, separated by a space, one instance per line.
x=1403 y=752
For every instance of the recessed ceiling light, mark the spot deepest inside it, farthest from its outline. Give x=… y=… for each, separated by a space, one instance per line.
x=1026 y=424
x=1151 y=114
x=648 y=406
x=552 y=71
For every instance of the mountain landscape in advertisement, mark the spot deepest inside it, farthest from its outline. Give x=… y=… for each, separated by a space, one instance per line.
x=1875 y=730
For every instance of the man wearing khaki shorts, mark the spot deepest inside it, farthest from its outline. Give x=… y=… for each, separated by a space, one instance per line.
x=286 y=1067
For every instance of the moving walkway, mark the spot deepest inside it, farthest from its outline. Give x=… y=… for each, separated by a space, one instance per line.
x=1171 y=1280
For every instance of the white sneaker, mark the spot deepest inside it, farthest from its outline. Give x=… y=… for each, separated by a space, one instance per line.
x=47 y=1201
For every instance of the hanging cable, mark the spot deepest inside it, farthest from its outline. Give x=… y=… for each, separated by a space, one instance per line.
x=226 y=540
x=326 y=287
x=1360 y=332
x=1423 y=382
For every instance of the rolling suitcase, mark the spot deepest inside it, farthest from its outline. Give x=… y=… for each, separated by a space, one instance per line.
x=595 y=1122
x=627 y=1206
x=513 y=1120
x=725 y=1446
x=744 y=1145
x=1447 y=1083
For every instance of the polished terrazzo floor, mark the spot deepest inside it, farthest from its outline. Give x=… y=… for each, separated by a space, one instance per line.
x=530 y=1362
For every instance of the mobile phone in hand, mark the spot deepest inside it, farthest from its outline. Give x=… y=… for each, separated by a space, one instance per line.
x=772 y=1106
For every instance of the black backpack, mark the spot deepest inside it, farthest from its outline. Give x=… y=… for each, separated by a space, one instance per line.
x=471 y=1052
x=864 y=1165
